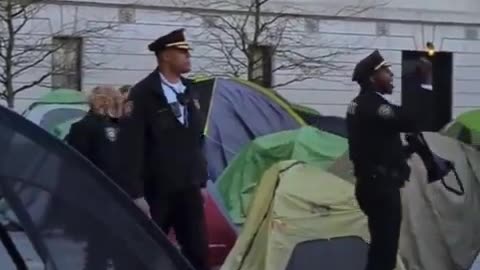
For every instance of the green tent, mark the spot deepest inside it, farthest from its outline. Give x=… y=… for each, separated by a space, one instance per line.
x=465 y=128
x=56 y=107
x=437 y=225
x=62 y=96
x=237 y=183
x=302 y=218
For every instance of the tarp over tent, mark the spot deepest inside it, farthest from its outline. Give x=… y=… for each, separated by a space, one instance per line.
x=298 y=204
x=82 y=202
x=238 y=182
x=438 y=226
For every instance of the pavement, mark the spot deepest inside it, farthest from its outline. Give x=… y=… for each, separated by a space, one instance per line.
x=34 y=262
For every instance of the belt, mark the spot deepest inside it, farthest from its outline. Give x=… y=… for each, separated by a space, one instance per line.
x=382 y=172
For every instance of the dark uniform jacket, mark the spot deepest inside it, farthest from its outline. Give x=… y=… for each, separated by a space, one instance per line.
x=96 y=138
x=374 y=126
x=160 y=153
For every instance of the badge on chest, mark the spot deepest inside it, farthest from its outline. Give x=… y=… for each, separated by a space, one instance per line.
x=196 y=103
x=111 y=134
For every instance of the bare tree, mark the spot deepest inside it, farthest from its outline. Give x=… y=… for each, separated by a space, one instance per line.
x=22 y=50
x=245 y=33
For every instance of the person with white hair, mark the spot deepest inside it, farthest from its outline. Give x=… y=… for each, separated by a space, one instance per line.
x=95 y=137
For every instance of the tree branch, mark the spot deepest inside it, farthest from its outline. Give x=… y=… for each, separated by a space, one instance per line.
x=33 y=64
x=236 y=32
x=32 y=84
x=20 y=52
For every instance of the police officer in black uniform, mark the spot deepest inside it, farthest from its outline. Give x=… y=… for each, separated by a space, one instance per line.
x=161 y=147
x=95 y=136
x=379 y=157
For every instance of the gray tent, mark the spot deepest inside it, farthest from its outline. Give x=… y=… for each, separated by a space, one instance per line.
x=81 y=204
x=55 y=107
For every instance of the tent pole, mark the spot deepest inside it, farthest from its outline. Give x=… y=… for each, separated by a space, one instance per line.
x=12 y=249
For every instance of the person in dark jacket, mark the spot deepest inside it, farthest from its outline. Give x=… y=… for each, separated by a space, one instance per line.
x=95 y=136
x=161 y=145
x=379 y=157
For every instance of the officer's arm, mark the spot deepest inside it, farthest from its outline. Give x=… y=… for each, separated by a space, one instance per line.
x=132 y=147
x=396 y=118
x=79 y=137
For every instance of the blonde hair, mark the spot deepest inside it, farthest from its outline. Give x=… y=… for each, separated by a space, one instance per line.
x=107 y=101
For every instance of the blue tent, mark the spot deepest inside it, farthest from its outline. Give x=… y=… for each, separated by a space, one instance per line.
x=238 y=112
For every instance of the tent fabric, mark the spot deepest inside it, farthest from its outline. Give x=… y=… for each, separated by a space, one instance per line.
x=215 y=195
x=51 y=110
x=56 y=107
x=298 y=202
x=62 y=96
x=470 y=119
x=221 y=235
x=311 y=255
x=60 y=115
x=465 y=128
x=332 y=124
x=238 y=182
x=80 y=203
x=240 y=112
x=438 y=225
x=450 y=220
x=61 y=130
x=47 y=116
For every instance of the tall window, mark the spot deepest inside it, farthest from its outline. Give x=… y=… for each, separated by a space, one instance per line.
x=262 y=64
x=67 y=62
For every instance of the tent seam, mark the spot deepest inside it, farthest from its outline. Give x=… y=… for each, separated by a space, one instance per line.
x=207 y=123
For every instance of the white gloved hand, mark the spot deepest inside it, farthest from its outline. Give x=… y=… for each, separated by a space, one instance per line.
x=143 y=205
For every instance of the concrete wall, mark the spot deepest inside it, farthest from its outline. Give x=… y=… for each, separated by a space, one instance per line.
x=410 y=24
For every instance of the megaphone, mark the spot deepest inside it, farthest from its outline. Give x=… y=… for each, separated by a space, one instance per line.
x=437 y=167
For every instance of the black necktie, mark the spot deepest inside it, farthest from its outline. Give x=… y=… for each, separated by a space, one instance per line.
x=182 y=99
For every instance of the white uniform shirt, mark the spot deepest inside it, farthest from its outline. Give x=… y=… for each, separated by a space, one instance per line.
x=169 y=91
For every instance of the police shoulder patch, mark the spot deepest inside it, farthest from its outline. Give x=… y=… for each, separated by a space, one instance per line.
x=386 y=111
x=352 y=107
x=111 y=134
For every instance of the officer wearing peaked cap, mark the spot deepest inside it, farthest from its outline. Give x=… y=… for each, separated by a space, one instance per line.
x=379 y=158
x=161 y=148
